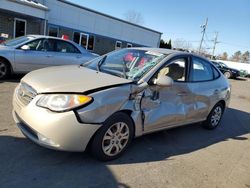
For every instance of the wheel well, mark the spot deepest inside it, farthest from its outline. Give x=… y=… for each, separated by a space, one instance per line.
x=8 y=62
x=223 y=103
x=127 y=112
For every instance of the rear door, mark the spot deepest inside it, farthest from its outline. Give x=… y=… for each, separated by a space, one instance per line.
x=204 y=85
x=168 y=106
x=66 y=53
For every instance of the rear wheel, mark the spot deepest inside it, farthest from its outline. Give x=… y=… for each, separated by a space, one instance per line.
x=227 y=74
x=4 y=69
x=214 y=117
x=113 y=138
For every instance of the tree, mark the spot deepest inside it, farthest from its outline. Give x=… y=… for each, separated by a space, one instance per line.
x=224 y=56
x=245 y=57
x=169 y=44
x=134 y=17
x=182 y=44
x=166 y=45
x=236 y=57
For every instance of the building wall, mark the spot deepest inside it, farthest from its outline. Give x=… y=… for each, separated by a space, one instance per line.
x=33 y=25
x=84 y=20
x=21 y=8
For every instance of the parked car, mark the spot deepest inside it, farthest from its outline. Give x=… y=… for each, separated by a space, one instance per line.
x=2 y=39
x=227 y=71
x=31 y=52
x=108 y=101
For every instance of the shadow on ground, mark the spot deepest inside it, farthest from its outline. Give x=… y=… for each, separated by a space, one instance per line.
x=26 y=164
x=13 y=78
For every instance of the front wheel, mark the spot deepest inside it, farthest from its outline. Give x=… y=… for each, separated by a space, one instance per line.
x=227 y=74
x=113 y=138
x=214 y=118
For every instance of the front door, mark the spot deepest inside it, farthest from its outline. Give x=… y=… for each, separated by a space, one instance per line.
x=19 y=27
x=84 y=39
x=37 y=56
x=164 y=107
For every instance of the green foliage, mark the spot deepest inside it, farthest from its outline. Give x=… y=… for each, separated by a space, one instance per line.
x=167 y=45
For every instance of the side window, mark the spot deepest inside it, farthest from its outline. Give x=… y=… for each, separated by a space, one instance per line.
x=201 y=70
x=49 y=45
x=216 y=73
x=175 y=70
x=35 y=45
x=65 y=47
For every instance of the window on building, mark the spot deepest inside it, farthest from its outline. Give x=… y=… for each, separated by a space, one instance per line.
x=76 y=37
x=91 y=42
x=129 y=45
x=53 y=31
x=118 y=45
x=85 y=40
x=19 y=27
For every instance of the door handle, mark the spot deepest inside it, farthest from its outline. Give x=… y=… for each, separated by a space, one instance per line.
x=78 y=57
x=48 y=55
x=182 y=93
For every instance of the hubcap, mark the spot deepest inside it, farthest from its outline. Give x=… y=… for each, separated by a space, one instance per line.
x=115 y=139
x=3 y=69
x=227 y=74
x=216 y=116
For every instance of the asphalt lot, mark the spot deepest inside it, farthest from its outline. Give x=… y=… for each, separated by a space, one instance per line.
x=183 y=157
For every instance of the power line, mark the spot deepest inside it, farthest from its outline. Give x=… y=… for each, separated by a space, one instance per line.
x=215 y=42
x=203 y=33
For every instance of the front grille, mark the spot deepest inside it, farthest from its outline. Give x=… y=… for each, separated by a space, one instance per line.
x=25 y=93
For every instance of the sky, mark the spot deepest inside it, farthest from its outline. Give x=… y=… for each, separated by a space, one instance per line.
x=181 y=19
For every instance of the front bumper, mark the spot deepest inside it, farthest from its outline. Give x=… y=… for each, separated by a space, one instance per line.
x=60 y=131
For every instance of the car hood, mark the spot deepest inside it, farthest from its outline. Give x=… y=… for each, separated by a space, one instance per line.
x=235 y=70
x=70 y=79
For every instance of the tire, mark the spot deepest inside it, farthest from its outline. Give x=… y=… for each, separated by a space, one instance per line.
x=227 y=74
x=113 y=138
x=4 y=69
x=214 y=117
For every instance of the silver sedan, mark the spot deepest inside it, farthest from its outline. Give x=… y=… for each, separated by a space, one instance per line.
x=107 y=102
x=31 y=52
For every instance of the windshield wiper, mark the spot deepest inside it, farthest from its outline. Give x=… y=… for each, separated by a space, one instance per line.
x=99 y=64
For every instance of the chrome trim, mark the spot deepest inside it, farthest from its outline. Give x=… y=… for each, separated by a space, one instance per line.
x=25 y=93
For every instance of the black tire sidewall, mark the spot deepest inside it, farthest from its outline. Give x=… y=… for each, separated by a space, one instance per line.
x=7 y=67
x=96 y=145
x=207 y=123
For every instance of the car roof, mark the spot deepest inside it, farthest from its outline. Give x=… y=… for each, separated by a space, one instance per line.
x=44 y=36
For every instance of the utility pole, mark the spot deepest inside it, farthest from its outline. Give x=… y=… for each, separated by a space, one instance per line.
x=203 y=33
x=215 y=42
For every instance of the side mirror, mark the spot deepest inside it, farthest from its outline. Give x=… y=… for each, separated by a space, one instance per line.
x=25 y=47
x=164 y=81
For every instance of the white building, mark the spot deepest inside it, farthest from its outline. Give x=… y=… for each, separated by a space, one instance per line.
x=93 y=30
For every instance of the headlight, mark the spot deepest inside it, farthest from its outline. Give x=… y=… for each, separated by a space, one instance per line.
x=63 y=102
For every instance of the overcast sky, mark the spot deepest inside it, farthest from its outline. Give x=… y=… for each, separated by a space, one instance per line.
x=182 y=19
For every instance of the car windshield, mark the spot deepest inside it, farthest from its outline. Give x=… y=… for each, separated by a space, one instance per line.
x=131 y=64
x=17 y=41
